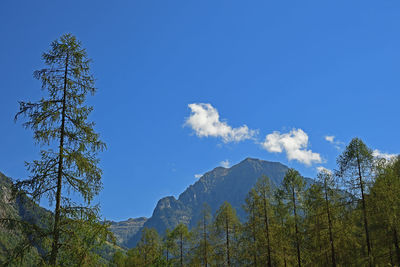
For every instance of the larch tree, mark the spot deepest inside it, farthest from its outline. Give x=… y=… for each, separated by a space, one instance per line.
x=293 y=187
x=264 y=194
x=68 y=159
x=227 y=229
x=356 y=166
x=149 y=246
x=316 y=243
x=328 y=185
x=385 y=203
x=202 y=245
x=181 y=236
x=250 y=232
x=281 y=234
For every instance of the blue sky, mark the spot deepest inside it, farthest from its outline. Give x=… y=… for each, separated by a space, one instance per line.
x=290 y=70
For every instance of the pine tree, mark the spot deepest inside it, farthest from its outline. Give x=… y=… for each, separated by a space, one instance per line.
x=60 y=123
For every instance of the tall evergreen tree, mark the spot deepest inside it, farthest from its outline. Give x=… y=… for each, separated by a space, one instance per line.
x=355 y=168
x=60 y=123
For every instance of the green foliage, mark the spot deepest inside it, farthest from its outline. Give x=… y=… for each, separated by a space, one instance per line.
x=385 y=211
x=68 y=163
x=202 y=246
x=356 y=165
x=147 y=253
x=227 y=230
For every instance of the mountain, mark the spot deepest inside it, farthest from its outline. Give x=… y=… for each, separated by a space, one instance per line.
x=24 y=208
x=124 y=230
x=214 y=187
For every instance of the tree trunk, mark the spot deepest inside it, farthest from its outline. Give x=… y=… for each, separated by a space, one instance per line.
x=57 y=211
x=364 y=212
x=205 y=241
x=330 y=226
x=254 y=235
x=227 y=241
x=266 y=223
x=283 y=247
x=396 y=245
x=284 y=257
x=296 y=228
x=181 y=248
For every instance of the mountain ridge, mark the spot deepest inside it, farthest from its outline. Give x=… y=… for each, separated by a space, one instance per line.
x=214 y=187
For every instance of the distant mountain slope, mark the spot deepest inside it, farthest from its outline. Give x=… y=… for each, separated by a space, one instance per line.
x=24 y=208
x=124 y=230
x=214 y=187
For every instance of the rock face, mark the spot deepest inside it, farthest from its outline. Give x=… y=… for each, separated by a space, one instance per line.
x=214 y=187
x=124 y=230
x=20 y=208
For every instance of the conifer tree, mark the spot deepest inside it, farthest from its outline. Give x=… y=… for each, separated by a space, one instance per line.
x=281 y=235
x=68 y=159
x=355 y=168
x=250 y=233
x=201 y=237
x=264 y=195
x=169 y=245
x=293 y=187
x=227 y=229
x=385 y=203
x=149 y=246
x=316 y=242
x=328 y=187
x=181 y=236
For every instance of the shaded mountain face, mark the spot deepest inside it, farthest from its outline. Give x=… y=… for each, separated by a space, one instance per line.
x=214 y=187
x=20 y=208
x=124 y=230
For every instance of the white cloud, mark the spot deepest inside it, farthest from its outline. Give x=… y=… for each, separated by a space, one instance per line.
x=198 y=176
x=205 y=121
x=330 y=138
x=295 y=145
x=225 y=163
x=323 y=169
x=378 y=154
